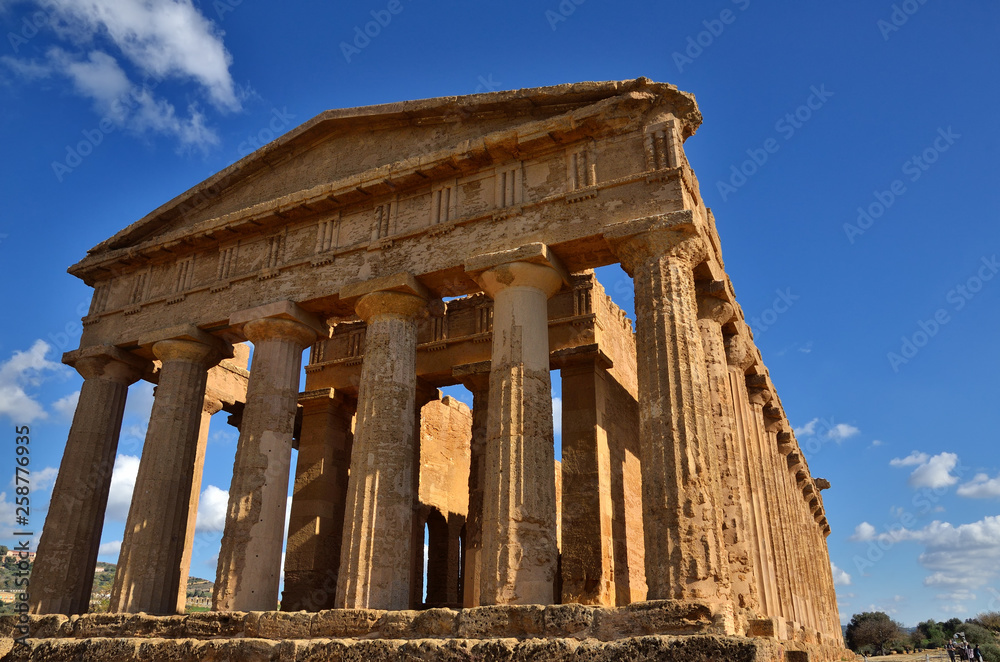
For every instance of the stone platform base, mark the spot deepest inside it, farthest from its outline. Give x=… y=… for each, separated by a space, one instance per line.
x=662 y=630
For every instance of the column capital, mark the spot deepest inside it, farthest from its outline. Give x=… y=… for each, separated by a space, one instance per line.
x=186 y=341
x=531 y=265
x=326 y=397
x=739 y=352
x=281 y=319
x=759 y=390
x=715 y=310
x=107 y=362
x=673 y=235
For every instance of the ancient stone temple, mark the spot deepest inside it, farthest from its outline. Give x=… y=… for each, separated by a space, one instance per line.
x=414 y=246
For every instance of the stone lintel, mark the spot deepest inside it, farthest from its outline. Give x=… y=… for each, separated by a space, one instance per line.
x=563 y=358
x=536 y=253
x=288 y=310
x=187 y=332
x=109 y=353
x=471 y=369
x=680 y=222
x=403 y=282
x=324 y=396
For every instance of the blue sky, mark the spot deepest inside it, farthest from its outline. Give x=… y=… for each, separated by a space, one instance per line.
x=862 y=242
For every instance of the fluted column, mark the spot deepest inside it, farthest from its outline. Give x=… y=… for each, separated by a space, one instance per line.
x=759 y=395
x=588 y=554
x=151 y=563
x=375 y=560
x=682 y=521
x=316 y=520
x=476 y=378
x=63 y=572
x=520 y=553
x=250 y=558
x=712 y=314
x=740 y=358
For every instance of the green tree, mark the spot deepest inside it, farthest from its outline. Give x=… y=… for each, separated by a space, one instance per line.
x=989 y=620
x=930 y=634
x=875 y=629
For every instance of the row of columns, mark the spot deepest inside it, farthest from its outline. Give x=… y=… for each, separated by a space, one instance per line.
x=719 y=510
x=156 y=548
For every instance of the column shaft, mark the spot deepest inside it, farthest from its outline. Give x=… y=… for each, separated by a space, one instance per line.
x=520 y=553
x=63 y=572
x=479 y=384
x=683 y=524
x=149 y=576
x=316 y=520
x=588 y=555
x=375 y=561
x=250 y=558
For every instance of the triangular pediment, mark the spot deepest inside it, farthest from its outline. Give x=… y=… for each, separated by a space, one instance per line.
x=393 y=144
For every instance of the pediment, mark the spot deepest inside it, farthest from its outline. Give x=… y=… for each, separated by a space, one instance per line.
x=396 y=145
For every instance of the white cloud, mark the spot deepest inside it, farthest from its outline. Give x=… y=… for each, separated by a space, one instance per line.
x=981 y=487
x=557 y=416
x=808 y=429
x=931 y=471
x=842 y=431
x=21 y=371
x=877 y=442
x=840 y=578
x=913 y=459
x=122 y=484
x=66 y=405
x=112 y=548
x=166 y=38
x=6 y=515
x=41 y=480
x=162 y=39
x=826 y=428
x=936 y=472
x=964 y=557
x=212 y=506
x=863 y=532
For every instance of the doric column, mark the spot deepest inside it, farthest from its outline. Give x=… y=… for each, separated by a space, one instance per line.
x=375 y=560
x=685 y=555
x=588 y=554
x=520 y=554
x=424 y=394
x=740 y=358
x=150 y=576
x=712 y=314
x=250 y=558
x=63 y=573
x=316 y=521
x=759 y=394
x=156 y=551
x=476 y=378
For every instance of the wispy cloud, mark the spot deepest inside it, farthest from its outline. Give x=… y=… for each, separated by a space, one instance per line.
x=20 y=372
x=981 y=487
x=167 y=39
